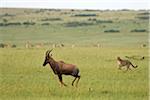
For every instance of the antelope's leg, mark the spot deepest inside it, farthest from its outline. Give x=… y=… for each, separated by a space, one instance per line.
x=61 y=81
x=128 y=67
x=74 y=81
x=119 y=67
x=77 y=81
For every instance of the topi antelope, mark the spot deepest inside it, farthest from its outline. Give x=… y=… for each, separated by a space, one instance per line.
x=60 y=67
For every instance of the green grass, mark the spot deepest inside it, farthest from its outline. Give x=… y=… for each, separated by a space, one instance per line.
x=23 y=77
x=79 y=36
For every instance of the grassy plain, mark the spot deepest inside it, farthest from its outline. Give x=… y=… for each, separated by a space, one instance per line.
x=23 y=77
x=83 y=30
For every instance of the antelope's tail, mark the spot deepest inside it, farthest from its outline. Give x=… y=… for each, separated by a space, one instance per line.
x=134 y=66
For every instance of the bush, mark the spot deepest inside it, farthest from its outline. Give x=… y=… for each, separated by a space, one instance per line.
x=100 y=21
x=45 y=24
x=104 y=21
x=13 y=46
x=28 y=23
x=111 y=31
x=10 y=24
x=139 y=30
x=5 y=20
x=13 y=23
x=144 y=13
x=7 y=15
x=51 y=19
x=85 y=15
x=125 y=10
x=92 y=19
x=143 y=17
x=76 y=24
x=2 y=45
x=2 y=24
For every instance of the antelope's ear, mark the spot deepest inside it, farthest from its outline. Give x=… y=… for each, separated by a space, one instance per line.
x=118 y=57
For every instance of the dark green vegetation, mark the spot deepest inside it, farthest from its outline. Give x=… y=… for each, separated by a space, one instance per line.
x=90 y=39
x=79 y=27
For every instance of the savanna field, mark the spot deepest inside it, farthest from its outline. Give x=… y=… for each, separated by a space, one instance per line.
x=91 y=39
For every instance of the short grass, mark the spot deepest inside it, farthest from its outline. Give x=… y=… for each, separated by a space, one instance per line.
x=23 y=77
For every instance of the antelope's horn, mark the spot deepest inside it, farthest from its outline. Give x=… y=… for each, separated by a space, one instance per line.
x=48 y=51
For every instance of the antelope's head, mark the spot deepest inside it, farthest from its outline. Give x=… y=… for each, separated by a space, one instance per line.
x=48 y=57
x=118 y=58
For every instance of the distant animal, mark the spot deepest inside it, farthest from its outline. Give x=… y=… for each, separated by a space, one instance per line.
x=142 y=58
x=60 y=67
x=62 y=45
x=123 y=63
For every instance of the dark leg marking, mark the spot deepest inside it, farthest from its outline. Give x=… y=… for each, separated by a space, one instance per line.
x=77 y=81
x=74 y=81
x=61 y=81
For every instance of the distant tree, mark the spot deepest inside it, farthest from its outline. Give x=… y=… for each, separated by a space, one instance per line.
x=2 y=45
x=13 y=46
x=112 y=31
x=5 y=20
x=139 y=30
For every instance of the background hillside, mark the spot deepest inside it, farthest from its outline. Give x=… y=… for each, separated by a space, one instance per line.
x=79 y=27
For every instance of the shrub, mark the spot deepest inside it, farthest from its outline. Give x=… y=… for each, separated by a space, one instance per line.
x=143 y=17
x=100 y=21
x=85 y=15
x=139 y=30
x=45 y=24
x=92 y=19
x=2 y=45
x=28 y=23
x=13 y=23
x=10 y=24
x=76 y=24
x=2 y=24
x=125 y=10
x=13 y=46
x=89 y=10
x=51 y=19
x=104 y=21
x=5 y=20
x=7 y=15
x=144 y=13
x=111 y=31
